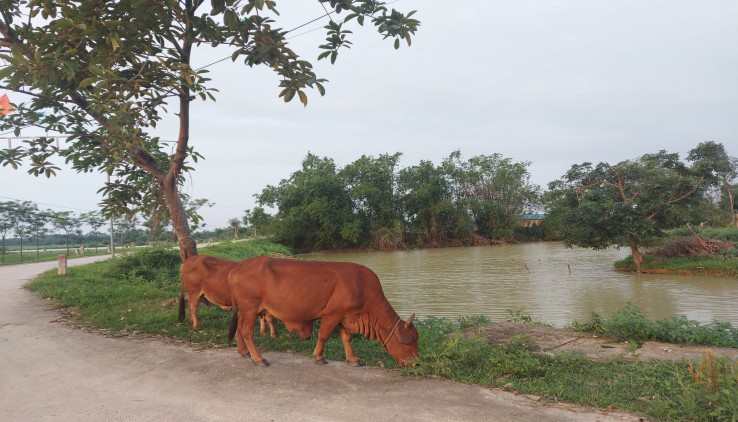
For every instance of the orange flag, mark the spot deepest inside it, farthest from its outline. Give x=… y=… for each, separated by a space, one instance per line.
x=5 y=107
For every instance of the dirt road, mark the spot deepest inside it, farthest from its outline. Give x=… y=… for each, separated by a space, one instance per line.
x=50 y=371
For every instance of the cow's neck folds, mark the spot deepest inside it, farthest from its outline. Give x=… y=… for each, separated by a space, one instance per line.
x=383 y=318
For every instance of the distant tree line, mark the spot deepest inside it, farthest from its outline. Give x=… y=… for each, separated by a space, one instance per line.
x=24 y=226
x=372 y=204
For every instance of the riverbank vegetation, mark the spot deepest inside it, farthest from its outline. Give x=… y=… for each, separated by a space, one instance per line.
x=691 y=251
x=371 y=204
x=135 y=294
x=629 y=323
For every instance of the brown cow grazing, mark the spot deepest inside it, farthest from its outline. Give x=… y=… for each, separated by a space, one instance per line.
x=345 y=295
x=204 y=275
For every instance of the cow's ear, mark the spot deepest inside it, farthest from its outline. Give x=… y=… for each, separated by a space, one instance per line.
x=402 y=336
x=409 y=322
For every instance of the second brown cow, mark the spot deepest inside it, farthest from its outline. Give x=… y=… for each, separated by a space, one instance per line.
x=204 y=275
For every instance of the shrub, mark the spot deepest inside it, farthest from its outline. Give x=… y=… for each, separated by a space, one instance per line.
x=157 y=265
x=712 y=389
x=629 y=323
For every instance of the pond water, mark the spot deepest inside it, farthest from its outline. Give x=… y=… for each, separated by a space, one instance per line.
x=547 y=281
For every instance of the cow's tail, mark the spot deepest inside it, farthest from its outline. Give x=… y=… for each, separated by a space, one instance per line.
x=181 y=303
x=234 y=325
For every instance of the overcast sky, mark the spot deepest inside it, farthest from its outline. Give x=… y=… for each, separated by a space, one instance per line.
x=551 y=82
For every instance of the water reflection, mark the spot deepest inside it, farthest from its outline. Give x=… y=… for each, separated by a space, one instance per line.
x=550 y=282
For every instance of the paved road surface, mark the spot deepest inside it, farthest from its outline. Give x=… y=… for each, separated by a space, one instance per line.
x=50 y=371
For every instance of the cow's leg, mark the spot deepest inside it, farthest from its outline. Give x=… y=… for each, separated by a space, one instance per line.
x=194 y=299
x=262 y=325
x=326 y=328
x=241 y=344
x=246 y=323
x=272 y=329
x=351 y=357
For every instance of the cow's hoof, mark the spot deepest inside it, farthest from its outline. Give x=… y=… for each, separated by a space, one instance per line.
x=262 y=364
x=356 y=364
x=321 y=361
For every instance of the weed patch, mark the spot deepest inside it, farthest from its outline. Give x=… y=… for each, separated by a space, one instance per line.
x=628 y=323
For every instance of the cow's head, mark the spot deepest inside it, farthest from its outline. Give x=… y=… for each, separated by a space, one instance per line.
x=403 y=346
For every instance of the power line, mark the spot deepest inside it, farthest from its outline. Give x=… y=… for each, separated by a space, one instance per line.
x=48 y=205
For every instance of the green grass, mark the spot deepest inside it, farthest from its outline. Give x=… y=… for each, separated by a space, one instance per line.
x=135 y=293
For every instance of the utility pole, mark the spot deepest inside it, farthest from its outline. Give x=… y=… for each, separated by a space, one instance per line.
x=112 y=245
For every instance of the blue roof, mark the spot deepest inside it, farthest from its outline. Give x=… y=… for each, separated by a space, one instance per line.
x=533 y=216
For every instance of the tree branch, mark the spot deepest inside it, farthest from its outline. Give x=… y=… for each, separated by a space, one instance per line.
x=686 y=195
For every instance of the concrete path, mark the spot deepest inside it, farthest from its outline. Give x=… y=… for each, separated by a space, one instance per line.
x=50 y=371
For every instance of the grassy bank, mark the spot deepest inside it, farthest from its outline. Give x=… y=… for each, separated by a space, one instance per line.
x=724 y=265
x=134 y=294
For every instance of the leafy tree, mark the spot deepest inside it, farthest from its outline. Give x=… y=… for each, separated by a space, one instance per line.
x=105 y=72
x=67 y=222
x=713 y=162
x=37 y=225
x=371 y=183
x=314 y=208
x=8 y=217
x=426 y=199
x=235 y=224
x=626 y=204
x=493 y=189
x=95 y=220
x=259 y=220
x=25 y=214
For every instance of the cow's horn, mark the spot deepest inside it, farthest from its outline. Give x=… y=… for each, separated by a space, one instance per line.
x=409 y=321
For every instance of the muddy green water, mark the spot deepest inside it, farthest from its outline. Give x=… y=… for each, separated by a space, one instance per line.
x=536 y=277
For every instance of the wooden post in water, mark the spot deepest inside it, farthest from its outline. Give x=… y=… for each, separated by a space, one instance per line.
x=569 y=266
x=526 y=268
x=61 y=264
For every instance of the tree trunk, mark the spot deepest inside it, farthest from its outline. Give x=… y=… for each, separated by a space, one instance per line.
x=187 y=244
x=637 y=257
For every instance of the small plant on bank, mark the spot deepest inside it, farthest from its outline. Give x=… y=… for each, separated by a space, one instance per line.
x=712 y=388
x=518 y=316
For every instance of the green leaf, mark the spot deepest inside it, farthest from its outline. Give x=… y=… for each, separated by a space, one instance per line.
x=289 y=95
x=95 y=70
x=7 y=71
x=303 y=98
x=86 y=82
x=230 y=19
x=324 y=55
x=397 y=43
